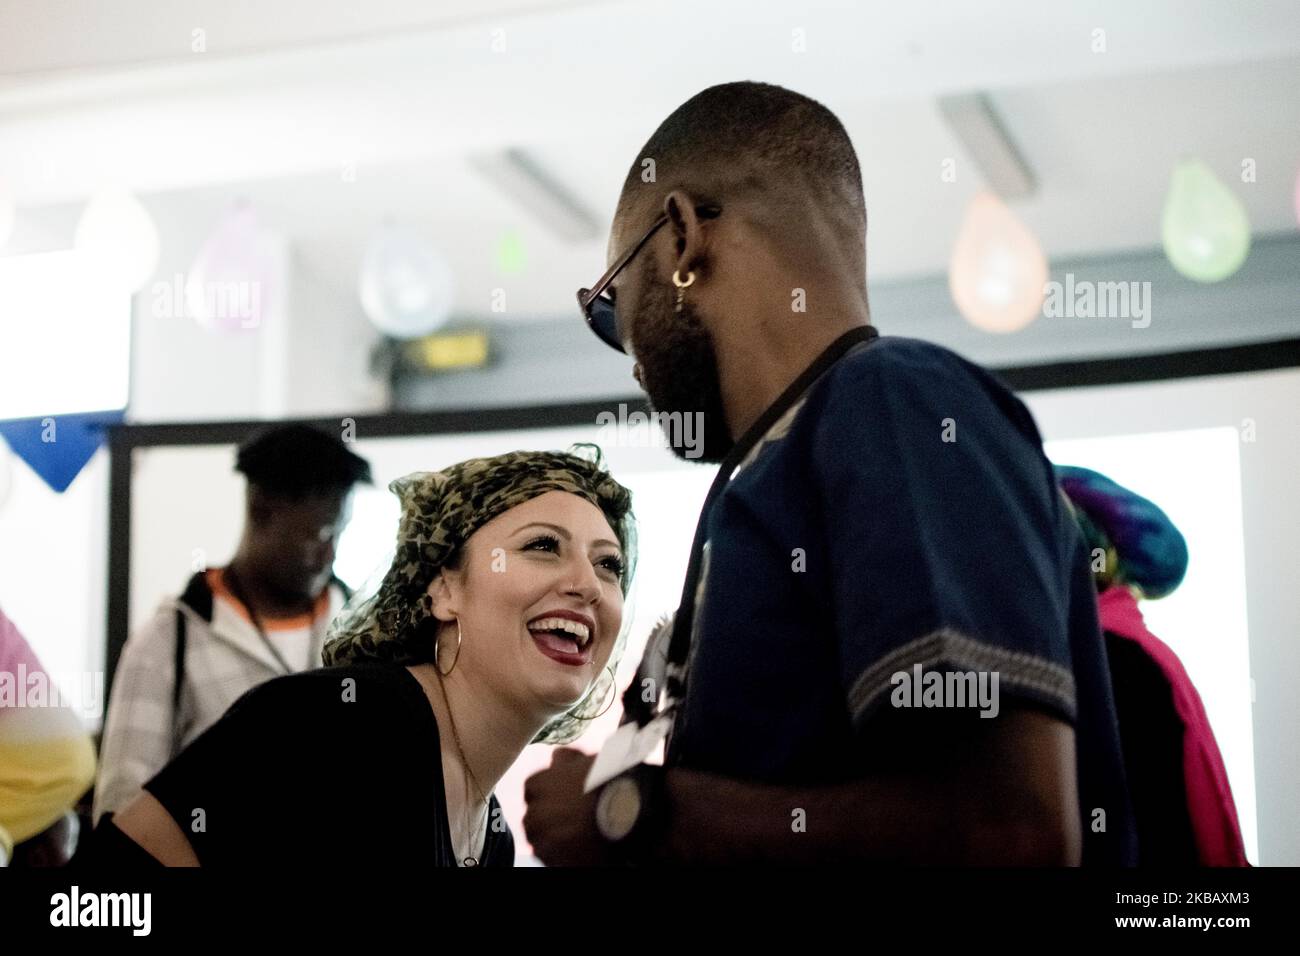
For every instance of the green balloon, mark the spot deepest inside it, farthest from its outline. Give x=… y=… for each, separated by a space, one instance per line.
x=1204 y=230
x=512 y=257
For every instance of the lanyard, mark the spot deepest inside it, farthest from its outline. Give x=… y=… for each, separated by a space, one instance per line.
x=634 y=705
x=232 y=582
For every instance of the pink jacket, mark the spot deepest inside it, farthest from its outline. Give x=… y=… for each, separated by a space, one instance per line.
x=1209 y=797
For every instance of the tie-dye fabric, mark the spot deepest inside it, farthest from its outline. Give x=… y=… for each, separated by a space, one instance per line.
x=1144 y=549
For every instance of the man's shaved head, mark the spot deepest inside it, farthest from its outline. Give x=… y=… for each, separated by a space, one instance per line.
x=765 y=214
x=757 y=141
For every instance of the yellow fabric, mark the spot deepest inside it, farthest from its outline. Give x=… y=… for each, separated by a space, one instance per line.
x=40 y=781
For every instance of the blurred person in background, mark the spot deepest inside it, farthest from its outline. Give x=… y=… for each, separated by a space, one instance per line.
x=47 y=760
x=262 y=615
x=1183 y=803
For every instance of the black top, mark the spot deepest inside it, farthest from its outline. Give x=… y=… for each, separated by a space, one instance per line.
x=1152 y=737
x=334 y=767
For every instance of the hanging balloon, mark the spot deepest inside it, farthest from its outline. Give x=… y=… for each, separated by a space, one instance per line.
x=6 y=213
x=998 y=272
x=1205 y=231
x=118 y=240
x=512 y=257
x=406 y=287
x=231 y=284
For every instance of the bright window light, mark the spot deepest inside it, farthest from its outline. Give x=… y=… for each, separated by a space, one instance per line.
x=66 y=340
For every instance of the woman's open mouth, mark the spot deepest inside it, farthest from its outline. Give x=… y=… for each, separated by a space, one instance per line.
x=562 y=639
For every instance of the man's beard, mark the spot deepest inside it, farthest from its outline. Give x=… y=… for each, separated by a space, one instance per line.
x=679 y=372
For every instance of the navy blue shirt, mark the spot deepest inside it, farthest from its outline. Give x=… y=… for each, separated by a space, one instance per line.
x=901 y=512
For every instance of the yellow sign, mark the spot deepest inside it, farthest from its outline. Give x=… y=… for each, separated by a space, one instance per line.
x=451 y=350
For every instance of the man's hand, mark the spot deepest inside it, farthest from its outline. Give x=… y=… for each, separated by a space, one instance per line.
x=560 y=820
x=945 y=788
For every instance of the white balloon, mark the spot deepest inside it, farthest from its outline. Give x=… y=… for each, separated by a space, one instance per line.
x=118 y=240
x=406 y=288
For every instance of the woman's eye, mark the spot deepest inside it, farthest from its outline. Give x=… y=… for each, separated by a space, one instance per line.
x=547 y=542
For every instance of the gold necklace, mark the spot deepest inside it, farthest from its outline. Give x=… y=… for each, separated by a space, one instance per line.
x=471 y=832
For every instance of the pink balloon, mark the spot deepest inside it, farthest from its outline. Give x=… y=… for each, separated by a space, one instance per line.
x=997 y=272
x=231 y=285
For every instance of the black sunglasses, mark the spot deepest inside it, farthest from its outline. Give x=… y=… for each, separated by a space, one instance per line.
x=597 y=304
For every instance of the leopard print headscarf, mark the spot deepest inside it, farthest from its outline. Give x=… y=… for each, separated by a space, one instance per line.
x=440 y=510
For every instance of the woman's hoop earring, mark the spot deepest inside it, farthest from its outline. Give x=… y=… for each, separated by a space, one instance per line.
x=436 y=663
x=682 y=286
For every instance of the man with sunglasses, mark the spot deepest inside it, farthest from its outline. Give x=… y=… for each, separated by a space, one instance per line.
x=883 y=521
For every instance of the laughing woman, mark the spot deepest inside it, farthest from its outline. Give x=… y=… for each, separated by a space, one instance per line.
x=499 y=624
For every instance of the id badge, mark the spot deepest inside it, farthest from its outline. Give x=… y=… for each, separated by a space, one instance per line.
x=627 y=747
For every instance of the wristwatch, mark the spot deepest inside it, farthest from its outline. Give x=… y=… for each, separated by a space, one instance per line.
x=632 y=811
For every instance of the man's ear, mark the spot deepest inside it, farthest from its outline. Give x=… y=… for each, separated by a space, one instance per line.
x=689 y=240
x=445 y=591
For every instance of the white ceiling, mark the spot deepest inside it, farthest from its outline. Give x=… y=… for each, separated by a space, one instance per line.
x=406 y=92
